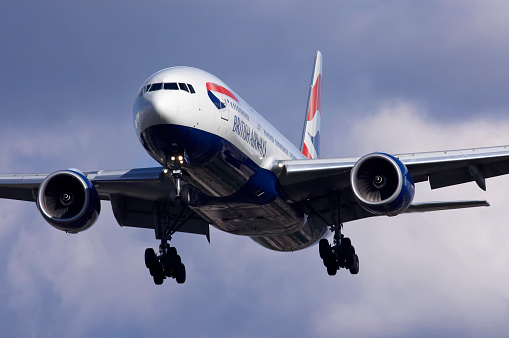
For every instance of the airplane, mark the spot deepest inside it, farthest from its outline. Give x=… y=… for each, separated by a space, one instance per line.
x=223 y=165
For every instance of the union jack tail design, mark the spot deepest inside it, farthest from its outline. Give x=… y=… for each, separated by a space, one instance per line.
x=310 y=145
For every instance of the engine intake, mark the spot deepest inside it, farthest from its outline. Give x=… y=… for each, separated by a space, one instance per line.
x=382 y=184
x=68 y=201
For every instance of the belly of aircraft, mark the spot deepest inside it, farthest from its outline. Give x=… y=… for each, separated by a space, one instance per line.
x=212 y=164
x=239 y=197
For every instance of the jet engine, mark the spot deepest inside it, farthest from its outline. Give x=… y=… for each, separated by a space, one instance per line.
x=382 y=184
x=68 y=201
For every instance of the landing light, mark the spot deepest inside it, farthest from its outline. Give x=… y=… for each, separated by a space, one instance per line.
x=181 y=159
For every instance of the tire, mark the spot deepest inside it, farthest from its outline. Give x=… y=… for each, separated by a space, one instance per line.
x=354 y=269
x=347 y=252
x=168 y=268
x=158 y=279
x=350 y=260
x=324 y=249
x=332 y=270
x=180 y=273
x=172 y=251
x=172 y=198
x=150 y=258
x=189 y=196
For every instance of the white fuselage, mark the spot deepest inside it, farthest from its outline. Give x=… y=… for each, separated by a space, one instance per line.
x=179 y=107
x=189 y=120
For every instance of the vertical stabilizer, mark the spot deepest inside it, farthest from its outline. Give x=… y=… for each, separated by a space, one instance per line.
x=310 y=145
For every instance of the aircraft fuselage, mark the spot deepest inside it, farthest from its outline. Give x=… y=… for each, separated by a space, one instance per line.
x=189 y=120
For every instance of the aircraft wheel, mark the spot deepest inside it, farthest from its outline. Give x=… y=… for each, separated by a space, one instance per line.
x=346 y=242
x=189 y=195
x=331 y=270
x=152 y=263
x=180 y=273
x=171 y=260
x=350 y=258
x=324 y=249
x=354 y=269
x=158 y=279
x=150 y=258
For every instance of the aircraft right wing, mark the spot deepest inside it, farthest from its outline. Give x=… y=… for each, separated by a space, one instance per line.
x=311 y=181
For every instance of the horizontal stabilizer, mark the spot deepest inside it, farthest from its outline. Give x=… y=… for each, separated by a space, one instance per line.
x=436 y=206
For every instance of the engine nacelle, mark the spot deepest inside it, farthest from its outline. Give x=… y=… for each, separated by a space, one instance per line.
x=68 y=201
x=382 y=184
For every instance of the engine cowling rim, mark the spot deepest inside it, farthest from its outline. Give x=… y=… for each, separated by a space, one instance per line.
x=41 y=197
x=355 y=170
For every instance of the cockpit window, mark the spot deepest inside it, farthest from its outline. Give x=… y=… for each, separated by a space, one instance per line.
x=155 y=86
x=168 y=86
x=171 y=86
x=183 y=86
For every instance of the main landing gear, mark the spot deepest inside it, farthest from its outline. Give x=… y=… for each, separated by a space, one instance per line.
x=341 y=254
x=167 y=263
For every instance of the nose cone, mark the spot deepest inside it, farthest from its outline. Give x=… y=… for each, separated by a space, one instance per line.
x=154 y=108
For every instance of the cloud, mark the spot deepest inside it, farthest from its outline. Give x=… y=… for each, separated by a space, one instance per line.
x=429 y=272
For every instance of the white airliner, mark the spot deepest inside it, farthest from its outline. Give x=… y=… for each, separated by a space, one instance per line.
x=224 y=165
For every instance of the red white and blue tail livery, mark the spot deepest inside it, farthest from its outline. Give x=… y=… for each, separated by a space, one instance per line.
x=311 y=135
x=222 y=164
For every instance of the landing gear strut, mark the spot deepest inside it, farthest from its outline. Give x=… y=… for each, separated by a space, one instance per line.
x=167 y=263
x=341 y=254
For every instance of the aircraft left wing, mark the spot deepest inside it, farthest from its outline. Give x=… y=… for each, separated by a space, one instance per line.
x=310 y=181
x=134 y=196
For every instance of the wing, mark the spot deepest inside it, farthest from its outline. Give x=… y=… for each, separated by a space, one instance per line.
x=134 y=196
x=311 y=181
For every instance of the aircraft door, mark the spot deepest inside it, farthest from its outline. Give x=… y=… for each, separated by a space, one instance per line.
x=225 y=112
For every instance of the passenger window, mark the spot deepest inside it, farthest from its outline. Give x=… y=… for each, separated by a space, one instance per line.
x=191 y=89
x=183 y=87
x=155 y=86
x=171 y=86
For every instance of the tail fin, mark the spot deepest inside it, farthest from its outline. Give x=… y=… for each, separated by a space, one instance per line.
x=310 y=145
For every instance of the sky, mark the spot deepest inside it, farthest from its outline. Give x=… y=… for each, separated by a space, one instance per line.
x=398 y=76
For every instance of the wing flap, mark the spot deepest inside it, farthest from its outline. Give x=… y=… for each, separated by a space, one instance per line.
x=437 y=206
x=139 y=213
